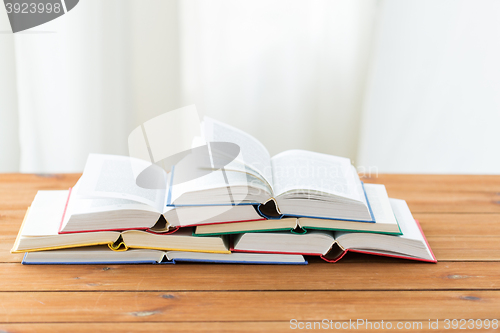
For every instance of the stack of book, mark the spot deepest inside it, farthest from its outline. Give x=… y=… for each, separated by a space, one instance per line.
x=295 y=204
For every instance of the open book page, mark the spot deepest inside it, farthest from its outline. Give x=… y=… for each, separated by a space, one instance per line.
x=309 y=172
x=411 y=243
x=115 y=177
x=240 y=185
x=407 y=223
x=96 y=205
x=380 y=204
x=252 y=152
x=313 y=242
x=45 y=214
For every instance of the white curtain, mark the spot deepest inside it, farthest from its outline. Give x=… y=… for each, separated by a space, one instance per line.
x=289 y=72
x=9 y=122
x=404 y=86
x=70 y=89
x=432 y=102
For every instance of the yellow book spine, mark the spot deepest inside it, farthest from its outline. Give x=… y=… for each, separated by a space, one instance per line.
x=117 y=248
x=61 y=247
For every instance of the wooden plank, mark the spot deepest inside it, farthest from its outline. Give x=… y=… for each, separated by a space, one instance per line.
x=457 y=224
x=182 y=327
x=245 y=306
x=341 y=276
x=443 y=193
x=455 y=236
x=18 y=190
x=10 y=222
x=465 y=248
x=221 y=327
x=5 y=255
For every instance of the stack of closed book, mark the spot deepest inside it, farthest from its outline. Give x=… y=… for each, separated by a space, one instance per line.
x=253 y=209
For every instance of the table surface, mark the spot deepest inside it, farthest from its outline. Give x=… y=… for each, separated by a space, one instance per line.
x=460 y=216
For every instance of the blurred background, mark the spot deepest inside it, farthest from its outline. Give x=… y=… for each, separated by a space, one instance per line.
x=401 y=86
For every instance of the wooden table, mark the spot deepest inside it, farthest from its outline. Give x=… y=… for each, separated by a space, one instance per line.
x=460 y=216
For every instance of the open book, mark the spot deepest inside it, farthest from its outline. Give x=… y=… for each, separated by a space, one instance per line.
x=107 y=197
x=103 y=255
x=40 y=232
x=377 y=195
x=294 y=182
x=331 y=246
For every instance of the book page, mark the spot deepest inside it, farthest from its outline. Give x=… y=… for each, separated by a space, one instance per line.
x=46 y=212
x=220 y=179
x=411 y=243
x=380 y=204
x=80 y=205
x=114 y=176
x=252 y=152
x=406 y=222
x=300 y=170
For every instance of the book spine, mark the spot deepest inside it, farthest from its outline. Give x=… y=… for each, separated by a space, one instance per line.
x=334 y=259
x=270 y=210
x=162 y=233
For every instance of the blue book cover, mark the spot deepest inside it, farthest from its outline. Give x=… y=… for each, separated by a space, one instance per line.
x=86 y=257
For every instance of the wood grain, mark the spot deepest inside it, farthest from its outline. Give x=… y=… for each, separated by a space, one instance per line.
x=444 y=193
x=183 y=327
x=458 y=248
x=18 y=190
x=245 y=306
x=460 y=216
x=391 y=275
x=459 y=224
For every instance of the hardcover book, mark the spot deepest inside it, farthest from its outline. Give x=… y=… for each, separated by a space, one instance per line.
x=294 y=183
x=332 y=246
x=107 y=197
x=102 y=255
x=385 y=221
x=39 y=231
